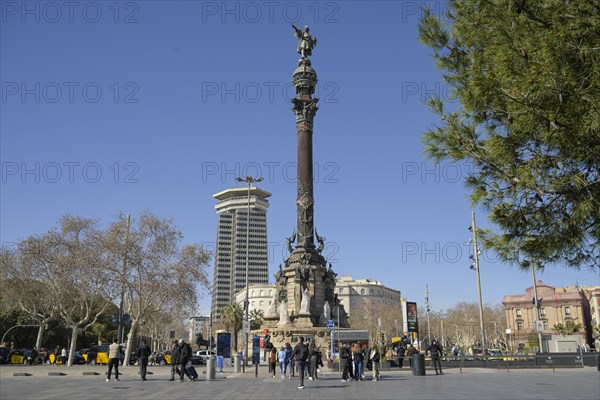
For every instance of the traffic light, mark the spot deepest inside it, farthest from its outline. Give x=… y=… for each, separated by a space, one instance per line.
x=383 y=337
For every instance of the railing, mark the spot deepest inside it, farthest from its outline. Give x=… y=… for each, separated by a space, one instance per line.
x=508 y=361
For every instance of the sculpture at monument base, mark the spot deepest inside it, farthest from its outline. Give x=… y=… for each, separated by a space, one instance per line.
x=284 y=317
x=272 y=310
x=326 y=315
x=305 y=303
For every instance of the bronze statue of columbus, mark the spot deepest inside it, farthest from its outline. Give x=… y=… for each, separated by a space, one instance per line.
x=305 y=41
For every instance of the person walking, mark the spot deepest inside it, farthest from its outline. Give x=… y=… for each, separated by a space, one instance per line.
x=282 y=362
x=273 y=361
x=143 y=352
x=358 y=361
x=345 y=360
x=289 y=361
x=410 y=353
x=435 y=350
x=185 y=353
x=313 y=359
x=401 y=351
x=63 y=356
x=174 y=359
x=300 y=355
x=114 y=351
x=374 y=357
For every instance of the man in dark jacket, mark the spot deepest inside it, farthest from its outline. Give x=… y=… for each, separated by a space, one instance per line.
x=435 y=350
x=143 y=352
x=185 y=354
x=345 y=361
x=300 y=355
x=174 y=359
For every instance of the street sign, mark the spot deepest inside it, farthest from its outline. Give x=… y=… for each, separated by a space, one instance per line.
x=330 y=324
x=246 y=327
x=539 y=325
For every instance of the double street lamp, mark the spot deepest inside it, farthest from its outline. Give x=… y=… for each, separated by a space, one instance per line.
x=248 y=180
x=475 y=266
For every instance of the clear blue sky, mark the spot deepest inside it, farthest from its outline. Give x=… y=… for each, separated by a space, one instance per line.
x=159 y=104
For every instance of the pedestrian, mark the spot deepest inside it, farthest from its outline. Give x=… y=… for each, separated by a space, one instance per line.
x=282 y=362
x=410 y=353
x=435 y=350
x=401 y=351
x=152 y=359
x=313 y=359
x=174 y=359
x=114 y=351
x=300 y=355
x=345 y=360
x=374 y=357
x=63 y=356
x=273 y=361
x=33 y=356
x=290 y=364
x=143 y=352
x=185 y=354
x=358 y=361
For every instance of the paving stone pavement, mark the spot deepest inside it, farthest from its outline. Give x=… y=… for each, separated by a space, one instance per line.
x=473 y=383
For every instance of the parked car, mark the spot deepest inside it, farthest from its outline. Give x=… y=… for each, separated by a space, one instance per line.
x=204 y=354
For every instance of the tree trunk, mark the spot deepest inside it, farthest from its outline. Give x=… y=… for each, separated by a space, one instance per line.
x=130 y=337
x=38 y=341
x=73 y=345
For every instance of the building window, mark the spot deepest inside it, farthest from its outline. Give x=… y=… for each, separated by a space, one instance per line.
x=261 y=293
x=362 y=291
x=252 y=293
x=371 y=292
x=519 y=326
x=341 y=290
x=518 y=311
x=261 y=302
x=270 y=294
x=567 y=310
x=543 y=312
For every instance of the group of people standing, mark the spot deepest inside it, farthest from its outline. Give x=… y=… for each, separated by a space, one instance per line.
x=352 y=361
x=181 y=356
x=307 y=359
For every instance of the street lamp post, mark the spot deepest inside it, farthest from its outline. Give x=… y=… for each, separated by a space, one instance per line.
x=249 y=180
x=475 y=256
x=536 y=305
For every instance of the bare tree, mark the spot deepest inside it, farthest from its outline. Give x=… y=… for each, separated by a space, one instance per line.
x=69 y=264
x=26 y=293
x=153 y=269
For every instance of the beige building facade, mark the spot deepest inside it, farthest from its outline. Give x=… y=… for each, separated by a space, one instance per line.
x=352 y=293
x=558 y=306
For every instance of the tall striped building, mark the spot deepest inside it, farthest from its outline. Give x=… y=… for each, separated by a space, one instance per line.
x=230 y=259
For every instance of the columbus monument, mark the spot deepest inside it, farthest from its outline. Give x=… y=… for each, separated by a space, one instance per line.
x=304 y=298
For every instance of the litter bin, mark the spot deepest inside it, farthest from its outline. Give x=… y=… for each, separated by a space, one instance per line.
x=210 y=368
x=220 y=363
x=418 y=365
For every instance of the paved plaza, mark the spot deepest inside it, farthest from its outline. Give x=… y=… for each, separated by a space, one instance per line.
x=472 y=383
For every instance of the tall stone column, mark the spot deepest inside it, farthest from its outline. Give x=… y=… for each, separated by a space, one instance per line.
x=305 y=107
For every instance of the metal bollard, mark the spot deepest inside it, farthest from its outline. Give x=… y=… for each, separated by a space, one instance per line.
x=210 y=368
x=236 y=365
